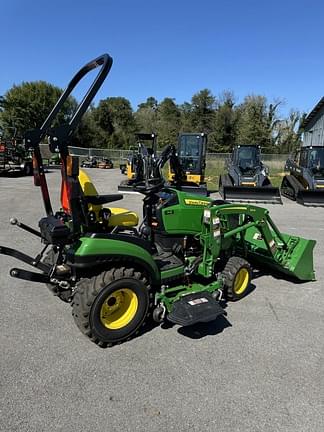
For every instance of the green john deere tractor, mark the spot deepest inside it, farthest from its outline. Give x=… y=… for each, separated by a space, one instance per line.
x=188 y=255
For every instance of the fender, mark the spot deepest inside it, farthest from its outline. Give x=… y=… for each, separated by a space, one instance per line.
x=104 y=248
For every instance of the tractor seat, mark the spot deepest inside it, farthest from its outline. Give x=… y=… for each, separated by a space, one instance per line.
x=118 y=216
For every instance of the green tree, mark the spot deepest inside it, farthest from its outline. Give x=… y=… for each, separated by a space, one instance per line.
x=27 y=105
x=169 y=122
x=224 y=129
x=115 y=118
x=202 y=111
x=289 y=132
x=150 y=102
x=103 y=117
x=146 y=115
x=186 y=117
x=258 y=122
x=89 y=133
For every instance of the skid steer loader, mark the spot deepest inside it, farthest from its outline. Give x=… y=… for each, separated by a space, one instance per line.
x=305 y=182
x=247 y=178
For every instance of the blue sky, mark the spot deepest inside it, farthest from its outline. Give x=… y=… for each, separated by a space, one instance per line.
x=165 y=48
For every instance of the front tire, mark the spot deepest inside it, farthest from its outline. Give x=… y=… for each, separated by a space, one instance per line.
x=112 y=307
x=237 y=276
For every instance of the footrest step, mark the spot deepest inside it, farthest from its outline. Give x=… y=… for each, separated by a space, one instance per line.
x=193 y=308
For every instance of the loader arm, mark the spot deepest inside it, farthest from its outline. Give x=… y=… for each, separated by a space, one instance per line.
x=250 y=231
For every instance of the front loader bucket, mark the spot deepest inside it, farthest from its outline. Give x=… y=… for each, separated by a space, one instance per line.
x=294 y=258
x=267 y=194
x=300 y=263
x=311 y=198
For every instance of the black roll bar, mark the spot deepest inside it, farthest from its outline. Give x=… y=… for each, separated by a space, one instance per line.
x=59 y=136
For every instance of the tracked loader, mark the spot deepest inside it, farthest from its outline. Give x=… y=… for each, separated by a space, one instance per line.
x=247 y=178
x=305 y=181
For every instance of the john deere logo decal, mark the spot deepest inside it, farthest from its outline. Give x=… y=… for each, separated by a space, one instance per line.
x=195 y=202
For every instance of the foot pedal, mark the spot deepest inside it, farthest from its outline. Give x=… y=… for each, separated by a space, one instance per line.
x=193 y=308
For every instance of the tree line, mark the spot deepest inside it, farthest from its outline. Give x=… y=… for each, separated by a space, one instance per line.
x=113 y=122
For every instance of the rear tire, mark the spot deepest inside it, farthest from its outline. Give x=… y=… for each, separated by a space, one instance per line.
x=237 y=276
x=111 y=307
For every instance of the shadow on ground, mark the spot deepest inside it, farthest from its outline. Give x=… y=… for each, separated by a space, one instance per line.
x=201 y=330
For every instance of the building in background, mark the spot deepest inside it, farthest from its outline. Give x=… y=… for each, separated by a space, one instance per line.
x=313 y=126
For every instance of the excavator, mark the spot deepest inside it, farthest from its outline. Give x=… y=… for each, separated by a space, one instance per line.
x=135 y=168
x=191 y=152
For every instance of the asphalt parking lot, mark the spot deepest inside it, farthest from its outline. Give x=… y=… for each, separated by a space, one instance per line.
x=258 y=369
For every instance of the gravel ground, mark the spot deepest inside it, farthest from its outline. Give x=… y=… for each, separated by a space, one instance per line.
x=258 y=369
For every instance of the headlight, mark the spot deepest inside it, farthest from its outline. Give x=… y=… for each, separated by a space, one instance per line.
x=206 y=218
x=216 y=223
x=216 y=227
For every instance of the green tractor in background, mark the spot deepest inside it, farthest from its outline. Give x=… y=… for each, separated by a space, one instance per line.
x=188 y=255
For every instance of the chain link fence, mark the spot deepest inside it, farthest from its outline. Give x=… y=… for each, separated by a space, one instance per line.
x=214 y=161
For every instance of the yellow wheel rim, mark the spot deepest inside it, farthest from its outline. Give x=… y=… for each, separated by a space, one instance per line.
x=241 y=281
x=119 y=309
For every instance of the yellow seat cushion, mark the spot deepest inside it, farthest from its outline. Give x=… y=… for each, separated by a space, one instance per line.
x=122 y=217
x=119 y=216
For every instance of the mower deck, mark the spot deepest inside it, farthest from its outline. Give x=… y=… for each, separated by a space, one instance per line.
x=194 y=308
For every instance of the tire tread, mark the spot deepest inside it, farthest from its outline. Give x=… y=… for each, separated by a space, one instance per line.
x=89 y=288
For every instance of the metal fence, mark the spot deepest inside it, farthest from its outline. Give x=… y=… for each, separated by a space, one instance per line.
x=119 y=156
